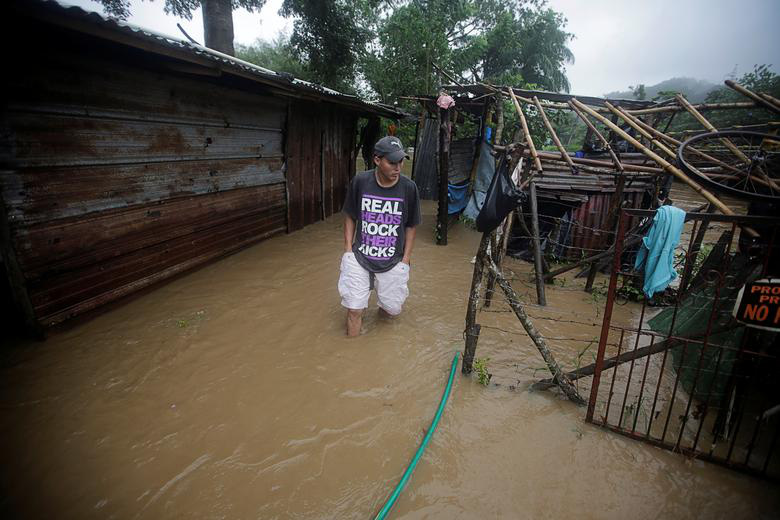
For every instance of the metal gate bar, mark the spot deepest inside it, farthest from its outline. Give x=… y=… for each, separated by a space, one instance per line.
x=703 y=392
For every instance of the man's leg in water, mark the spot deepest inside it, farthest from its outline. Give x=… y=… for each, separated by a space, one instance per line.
x=354 y=288
x=354 y=322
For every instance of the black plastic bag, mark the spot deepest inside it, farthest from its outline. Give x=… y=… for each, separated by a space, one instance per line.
x=501 y=198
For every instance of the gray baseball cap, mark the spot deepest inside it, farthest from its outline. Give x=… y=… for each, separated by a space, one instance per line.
x=390 y=147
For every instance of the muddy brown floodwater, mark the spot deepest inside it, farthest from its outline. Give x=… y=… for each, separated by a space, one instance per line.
x=232 y=392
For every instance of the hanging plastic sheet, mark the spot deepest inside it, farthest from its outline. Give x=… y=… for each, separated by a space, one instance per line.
x=502 y=197
x=486 y=167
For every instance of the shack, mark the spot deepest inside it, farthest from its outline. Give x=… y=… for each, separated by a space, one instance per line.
x=580 y=198
x=128 y=157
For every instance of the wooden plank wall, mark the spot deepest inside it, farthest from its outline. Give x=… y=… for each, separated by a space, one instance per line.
x=319 y=161
x=117 y=172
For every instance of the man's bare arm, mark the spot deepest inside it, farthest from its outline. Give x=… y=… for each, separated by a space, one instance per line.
x=349 y=233
x=411 y=232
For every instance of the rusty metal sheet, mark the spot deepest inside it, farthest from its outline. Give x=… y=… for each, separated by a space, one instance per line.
x=61 y=245
x=52 y=140
x=40 y=195
x=97 y=84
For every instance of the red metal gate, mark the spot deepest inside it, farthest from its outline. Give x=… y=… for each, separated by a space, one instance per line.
x=686 y=376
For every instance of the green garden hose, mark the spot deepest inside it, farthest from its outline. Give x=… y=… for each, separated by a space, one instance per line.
x=408 y=473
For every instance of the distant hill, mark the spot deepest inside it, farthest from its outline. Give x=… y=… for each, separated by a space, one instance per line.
x=695 y=90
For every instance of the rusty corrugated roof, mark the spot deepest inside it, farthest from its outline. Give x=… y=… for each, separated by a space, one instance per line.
x=92 y=23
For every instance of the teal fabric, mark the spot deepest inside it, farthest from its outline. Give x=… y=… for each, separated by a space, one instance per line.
x=656 y=255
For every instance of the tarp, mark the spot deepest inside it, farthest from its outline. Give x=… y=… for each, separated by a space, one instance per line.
x=486 y=168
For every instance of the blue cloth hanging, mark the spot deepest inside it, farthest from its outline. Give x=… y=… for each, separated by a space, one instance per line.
x=457 y=197
x=656 y=255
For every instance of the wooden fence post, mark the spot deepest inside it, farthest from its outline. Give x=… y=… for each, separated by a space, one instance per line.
x=444 y=163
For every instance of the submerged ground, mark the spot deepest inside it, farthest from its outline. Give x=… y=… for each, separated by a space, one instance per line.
x=232 y=392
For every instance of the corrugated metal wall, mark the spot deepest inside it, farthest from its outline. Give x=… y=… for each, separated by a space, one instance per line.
x=116 y=175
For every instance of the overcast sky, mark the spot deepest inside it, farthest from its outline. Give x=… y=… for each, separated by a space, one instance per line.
x=617 y=43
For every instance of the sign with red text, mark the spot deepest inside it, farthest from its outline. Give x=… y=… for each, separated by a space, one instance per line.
x=758 y=304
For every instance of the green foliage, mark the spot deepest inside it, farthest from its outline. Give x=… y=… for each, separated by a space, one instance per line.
x=330 y=37
x=761 y=79
x=278 y=56
x=473 y=40
x=638 y=92
x=701 y=256
x=387 y=49
x=630 y=292
x=183 y=8
x=599 y=291
x=481 y=369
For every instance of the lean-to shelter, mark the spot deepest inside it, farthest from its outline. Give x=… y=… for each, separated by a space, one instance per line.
x=129 y=157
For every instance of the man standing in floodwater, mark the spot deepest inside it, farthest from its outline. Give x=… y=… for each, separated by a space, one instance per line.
x=381 y=215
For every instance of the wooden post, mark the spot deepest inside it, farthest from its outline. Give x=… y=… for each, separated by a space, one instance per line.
x=538 y=271
x=16 y=278
x=560 y=378
x=551 y=130
x=444 y=162
x=526 y=132
x=471 y=331
x=625 y=357
x=497 y=249
x=416 y=137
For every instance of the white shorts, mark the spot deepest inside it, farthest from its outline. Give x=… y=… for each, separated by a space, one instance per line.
x=354 y=285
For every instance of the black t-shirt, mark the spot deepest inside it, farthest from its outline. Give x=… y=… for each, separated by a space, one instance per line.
x=381 y=217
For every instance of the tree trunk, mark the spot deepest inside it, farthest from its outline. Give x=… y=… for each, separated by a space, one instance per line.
x=218 y=25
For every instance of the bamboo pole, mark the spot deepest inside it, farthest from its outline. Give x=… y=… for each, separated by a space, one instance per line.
x=658 y=159
x=527 y=134
x=771 y=99
x=642 y=131
x=598 y=134
x=638 y=169
x=564 y=154
x=701 y=154
x=701 y=106
x=559 y=377
x=752 y=95
x=706 y=124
